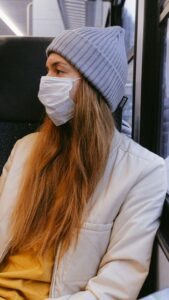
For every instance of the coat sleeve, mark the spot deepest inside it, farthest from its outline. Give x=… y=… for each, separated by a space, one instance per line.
x=25 y=145
x=6 y=168
x=125 y=265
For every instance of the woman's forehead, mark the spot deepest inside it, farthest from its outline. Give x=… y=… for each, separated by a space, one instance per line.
x=54 y=58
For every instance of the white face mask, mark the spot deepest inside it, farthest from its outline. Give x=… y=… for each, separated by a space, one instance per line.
x=54 y=93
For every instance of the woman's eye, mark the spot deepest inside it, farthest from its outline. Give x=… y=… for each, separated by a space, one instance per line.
x=59 y=72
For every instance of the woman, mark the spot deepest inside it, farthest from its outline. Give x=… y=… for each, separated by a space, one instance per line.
x=80 y=202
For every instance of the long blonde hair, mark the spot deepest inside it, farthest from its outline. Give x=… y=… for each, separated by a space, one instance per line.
x=62 y=172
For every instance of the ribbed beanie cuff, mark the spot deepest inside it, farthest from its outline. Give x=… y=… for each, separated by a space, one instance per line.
x=99 y=54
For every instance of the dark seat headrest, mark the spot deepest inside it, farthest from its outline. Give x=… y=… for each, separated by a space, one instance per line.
x=22 y=63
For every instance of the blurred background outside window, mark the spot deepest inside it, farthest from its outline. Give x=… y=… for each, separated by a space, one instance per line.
x=165 y=94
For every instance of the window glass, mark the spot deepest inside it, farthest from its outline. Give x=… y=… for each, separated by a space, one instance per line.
x=128 y=23
x=128 y=20
x=127 y=111
x=165 y=97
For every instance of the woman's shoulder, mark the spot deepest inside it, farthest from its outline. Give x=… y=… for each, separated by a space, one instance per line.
x=28 y=139
x=130 y=148
x=17 y=159
x=22 y=148
x=132 y=162
x=26 y=143
x=138 y=168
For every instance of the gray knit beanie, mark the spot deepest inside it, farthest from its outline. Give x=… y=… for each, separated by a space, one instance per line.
x=98 y=54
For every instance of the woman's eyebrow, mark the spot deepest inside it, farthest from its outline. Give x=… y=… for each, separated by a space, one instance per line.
x=57 y=63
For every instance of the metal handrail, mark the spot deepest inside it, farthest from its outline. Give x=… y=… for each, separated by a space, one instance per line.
x=28 y=10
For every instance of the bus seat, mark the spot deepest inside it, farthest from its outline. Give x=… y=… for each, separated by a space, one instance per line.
x=22 y=61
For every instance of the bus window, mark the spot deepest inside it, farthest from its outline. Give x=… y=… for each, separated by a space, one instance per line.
x=165 y=96
x=127 y=111
x=128 y=22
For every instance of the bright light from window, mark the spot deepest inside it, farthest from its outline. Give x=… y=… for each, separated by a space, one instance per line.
x=10 y=23
x=130 y=5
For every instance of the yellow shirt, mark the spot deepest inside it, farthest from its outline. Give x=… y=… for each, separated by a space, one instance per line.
x=26 y=276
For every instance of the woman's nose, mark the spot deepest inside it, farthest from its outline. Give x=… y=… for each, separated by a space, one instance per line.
x=50 y=73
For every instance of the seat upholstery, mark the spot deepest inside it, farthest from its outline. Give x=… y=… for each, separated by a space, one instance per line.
x=22 y=63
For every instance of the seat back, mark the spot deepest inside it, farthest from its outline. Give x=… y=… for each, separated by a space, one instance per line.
x=22 y=63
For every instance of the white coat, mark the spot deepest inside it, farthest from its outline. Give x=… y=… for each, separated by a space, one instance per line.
x=114 y=249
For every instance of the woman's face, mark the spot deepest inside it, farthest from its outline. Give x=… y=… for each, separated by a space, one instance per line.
x=57 y=66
